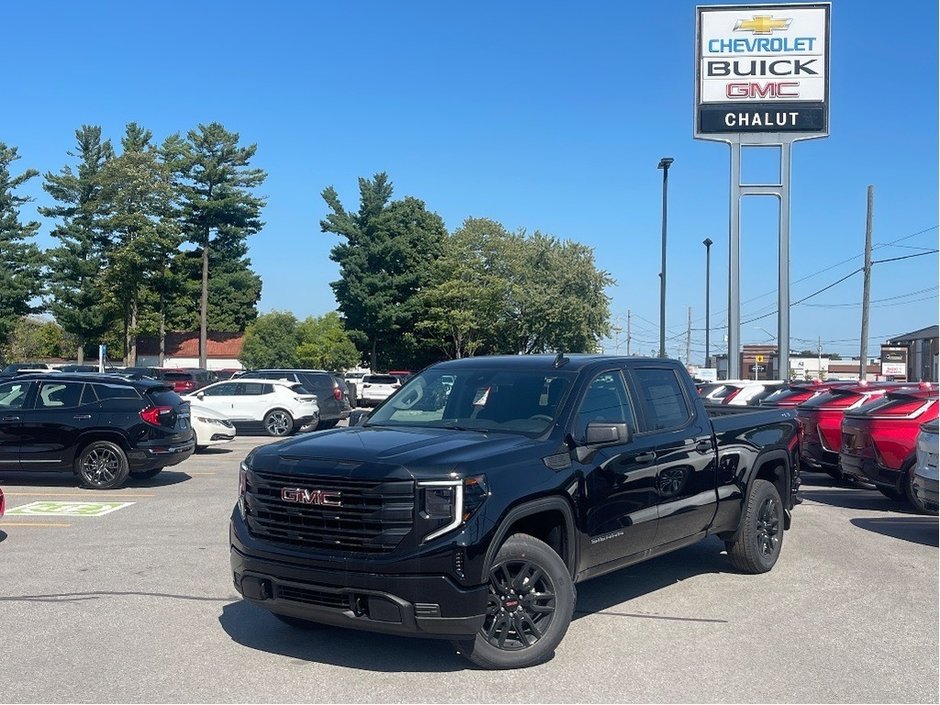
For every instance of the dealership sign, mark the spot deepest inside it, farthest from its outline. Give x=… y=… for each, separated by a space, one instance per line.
x=762 y=69
x=893 y=361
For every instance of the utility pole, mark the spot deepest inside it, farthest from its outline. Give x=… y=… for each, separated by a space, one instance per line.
x=819 y=358
x=628 y=332
x=866 y=291
x=688 y=339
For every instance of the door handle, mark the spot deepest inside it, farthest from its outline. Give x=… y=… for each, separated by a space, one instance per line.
x=81 y=417
x=647 y=457
x=10 y=418
x=703 y=446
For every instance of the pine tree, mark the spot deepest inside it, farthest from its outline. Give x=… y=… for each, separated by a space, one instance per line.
x=21 y=261
x=79 y=302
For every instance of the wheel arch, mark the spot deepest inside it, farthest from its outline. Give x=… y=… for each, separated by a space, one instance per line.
x=773 y=466
x=549 y=519
x=90 y=436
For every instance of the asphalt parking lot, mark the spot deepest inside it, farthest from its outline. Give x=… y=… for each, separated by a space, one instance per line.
x=137 y=605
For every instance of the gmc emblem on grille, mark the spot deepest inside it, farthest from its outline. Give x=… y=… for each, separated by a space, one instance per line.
x=299 y=495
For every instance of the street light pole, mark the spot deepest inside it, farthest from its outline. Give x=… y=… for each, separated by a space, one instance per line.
x=664 y=164
x=708 y=264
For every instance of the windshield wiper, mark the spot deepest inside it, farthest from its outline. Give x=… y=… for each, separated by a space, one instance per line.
x=455 y=427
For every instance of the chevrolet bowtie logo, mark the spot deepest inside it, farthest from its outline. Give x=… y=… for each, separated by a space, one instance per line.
x=761 y=24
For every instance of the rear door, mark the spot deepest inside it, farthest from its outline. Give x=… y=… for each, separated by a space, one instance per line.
x=220 y=397
x=252 y=400
x=60 y=412
x=14 y=397
x=686 y=463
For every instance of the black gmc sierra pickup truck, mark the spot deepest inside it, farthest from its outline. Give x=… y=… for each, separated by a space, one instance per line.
x=469 y=504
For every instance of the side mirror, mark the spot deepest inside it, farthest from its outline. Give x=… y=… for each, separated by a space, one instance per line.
x=200 y=395
x=600 y=433
x=358 y=417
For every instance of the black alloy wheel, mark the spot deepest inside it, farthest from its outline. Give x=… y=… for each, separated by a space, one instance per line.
x=102 y=465
x=760 y=534
x=530 y=602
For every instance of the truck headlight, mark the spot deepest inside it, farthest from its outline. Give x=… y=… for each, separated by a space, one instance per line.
x=242 y=486
x=446 y=504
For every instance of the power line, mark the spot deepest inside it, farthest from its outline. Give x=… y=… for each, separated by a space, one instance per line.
x=898 y=259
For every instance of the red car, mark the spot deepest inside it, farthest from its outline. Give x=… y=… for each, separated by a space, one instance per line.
x=879 y=440
x=796 y=393
x=820 y=421
x=183 y=381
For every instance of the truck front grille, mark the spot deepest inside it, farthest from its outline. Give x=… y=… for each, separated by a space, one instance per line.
x=372 y=516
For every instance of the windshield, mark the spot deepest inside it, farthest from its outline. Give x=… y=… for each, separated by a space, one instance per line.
x=512 y=401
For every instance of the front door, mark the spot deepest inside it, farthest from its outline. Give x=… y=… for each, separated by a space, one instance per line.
x=13 y=397
x=219 y=397
x=619 y=481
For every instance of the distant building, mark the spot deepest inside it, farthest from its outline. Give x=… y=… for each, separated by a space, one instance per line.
x=915 y=351
x=182 y=350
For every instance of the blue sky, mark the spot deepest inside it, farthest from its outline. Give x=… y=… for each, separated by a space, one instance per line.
x=542 y=115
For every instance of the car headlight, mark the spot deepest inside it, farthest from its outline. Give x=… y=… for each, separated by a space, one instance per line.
x=208 y=420
x=446 y=504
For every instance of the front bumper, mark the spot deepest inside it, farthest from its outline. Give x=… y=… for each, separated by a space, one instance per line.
x=415 y=605
x=926 y=489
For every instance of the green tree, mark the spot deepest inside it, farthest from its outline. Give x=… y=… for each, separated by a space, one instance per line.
x=500 y=292
x=33 y=339
x=78 y=301
x=217 y=186
x=139 y=191
x=324 y=344
x=271 y=341
x=384 y=262
x=21 y=261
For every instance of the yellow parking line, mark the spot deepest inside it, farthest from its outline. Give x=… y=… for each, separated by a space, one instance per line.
x=4 y=524
x=91 y=493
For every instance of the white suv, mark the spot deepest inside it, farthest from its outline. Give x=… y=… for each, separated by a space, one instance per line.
x=377 y=388
x=279 y=408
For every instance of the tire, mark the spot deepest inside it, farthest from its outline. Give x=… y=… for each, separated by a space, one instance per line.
x=295 y=622
x=145 y=474
x=102 y=465
x=761 y=534
x=907 y=482
x=531 y=600
x=278 y=422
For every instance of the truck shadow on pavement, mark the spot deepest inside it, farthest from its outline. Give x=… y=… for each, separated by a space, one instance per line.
x=916 y=529
x=68 y=480
x=255 y=628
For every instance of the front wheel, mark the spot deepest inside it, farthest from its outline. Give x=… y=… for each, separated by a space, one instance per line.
x=278 y=422
x=529 y=607
x=102 y=465
x=907 y=482
x=761 y=535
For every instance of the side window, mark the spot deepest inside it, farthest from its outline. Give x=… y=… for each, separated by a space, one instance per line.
x=605 y=400
x=250 y=389
x=223 y=390
x=13 y=394
x=112 y=391
x=59 y=395
x=267 y=389
x=660 y=395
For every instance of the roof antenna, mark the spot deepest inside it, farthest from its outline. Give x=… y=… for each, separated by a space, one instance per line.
x=560 y=360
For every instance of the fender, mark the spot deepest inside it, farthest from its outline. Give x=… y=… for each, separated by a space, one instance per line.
x=97 y=434
x=535 y=507
x=763 y=457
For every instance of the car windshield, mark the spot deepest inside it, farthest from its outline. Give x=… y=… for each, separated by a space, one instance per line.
x=526 y=402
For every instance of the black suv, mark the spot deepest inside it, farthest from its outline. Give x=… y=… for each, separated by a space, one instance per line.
x=102 y=427
x=332 y=392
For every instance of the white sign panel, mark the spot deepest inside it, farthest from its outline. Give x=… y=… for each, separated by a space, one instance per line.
x=762 y=68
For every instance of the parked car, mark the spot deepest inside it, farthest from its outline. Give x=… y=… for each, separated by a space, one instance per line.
x=278 y=408
x=103 y=428
x=209 y=426
x=792 y=394
x=331 y=391
x=402 y=375
x=78 y=368
x=183 y=381
x=739 y=392
x=879 y=440
x=470 y=515
x=925 y=469
x=20 y=368
x=377 y=388
x=227 y=373
x=820 y=420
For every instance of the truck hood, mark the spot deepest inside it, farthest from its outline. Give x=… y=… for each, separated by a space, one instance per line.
x=424 y=452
